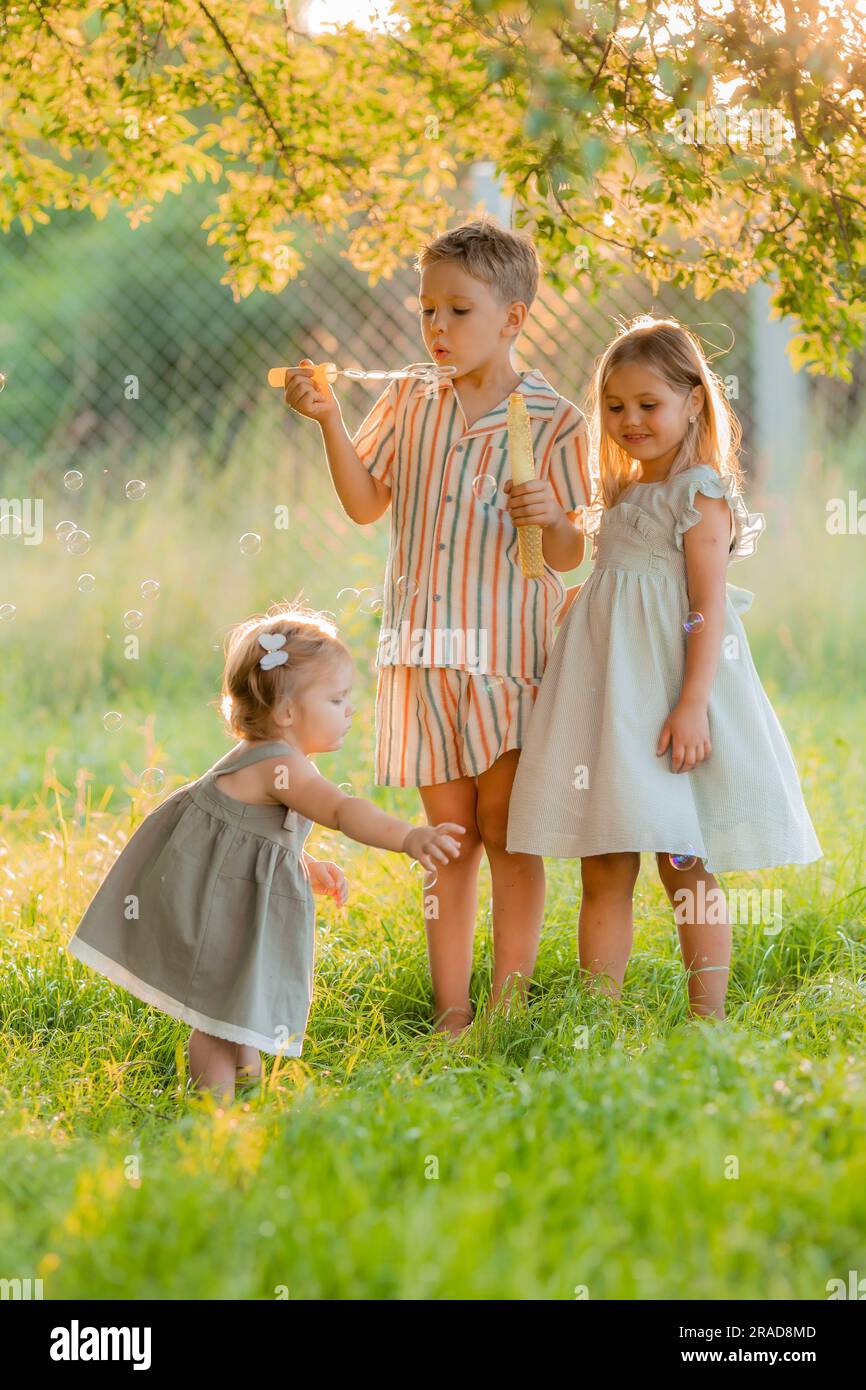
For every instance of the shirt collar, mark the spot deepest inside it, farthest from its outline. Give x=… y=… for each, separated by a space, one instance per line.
x=541 y=398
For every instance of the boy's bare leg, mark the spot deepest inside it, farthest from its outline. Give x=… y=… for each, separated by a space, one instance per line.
x=606 y=925
x=518 y=885
x=453 y=899
x=212 y=1064
x=706 y=949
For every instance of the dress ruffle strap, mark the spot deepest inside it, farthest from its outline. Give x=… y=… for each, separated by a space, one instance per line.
x=741 y=599
x=747 y=525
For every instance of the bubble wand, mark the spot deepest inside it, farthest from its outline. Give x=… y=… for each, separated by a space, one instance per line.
x=523 y=471
x=326 y=373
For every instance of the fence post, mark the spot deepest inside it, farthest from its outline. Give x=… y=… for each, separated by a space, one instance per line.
x=780 y=396
x=486 y=188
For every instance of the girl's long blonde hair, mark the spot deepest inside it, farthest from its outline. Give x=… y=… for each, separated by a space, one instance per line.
x=670 y=349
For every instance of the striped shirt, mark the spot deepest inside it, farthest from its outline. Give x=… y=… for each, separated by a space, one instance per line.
x=454 y=593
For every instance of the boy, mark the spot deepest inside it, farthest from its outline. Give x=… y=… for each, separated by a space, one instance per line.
x=465 y=637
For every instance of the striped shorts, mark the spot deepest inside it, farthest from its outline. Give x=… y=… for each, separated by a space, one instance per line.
x=435 y=724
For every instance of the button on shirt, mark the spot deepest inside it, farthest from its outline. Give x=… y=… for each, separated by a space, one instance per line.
x=454 y=592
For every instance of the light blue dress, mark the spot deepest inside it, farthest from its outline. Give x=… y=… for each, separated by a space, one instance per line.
x=588 y=780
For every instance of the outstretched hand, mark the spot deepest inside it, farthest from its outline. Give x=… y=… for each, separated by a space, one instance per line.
x=433 y=844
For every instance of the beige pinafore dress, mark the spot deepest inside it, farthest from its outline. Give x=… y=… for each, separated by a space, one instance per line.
x=207 y=913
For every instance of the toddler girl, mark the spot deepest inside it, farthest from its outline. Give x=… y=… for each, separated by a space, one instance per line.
x=652 y=730
x=207 y=913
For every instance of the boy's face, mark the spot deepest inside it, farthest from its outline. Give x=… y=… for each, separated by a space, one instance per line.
x=463 y=323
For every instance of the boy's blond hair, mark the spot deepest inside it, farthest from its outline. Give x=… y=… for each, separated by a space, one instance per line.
x=506 y=261
x=250 y=692
x=675 y=354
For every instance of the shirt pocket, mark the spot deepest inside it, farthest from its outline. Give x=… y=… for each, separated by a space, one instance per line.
x=492 y=468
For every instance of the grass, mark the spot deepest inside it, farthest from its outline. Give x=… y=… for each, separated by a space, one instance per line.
x=577 y=1147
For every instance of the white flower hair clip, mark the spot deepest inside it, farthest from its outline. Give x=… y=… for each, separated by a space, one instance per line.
x=272 y=641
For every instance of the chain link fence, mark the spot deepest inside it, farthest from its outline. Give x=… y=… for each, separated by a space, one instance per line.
x=125 y=343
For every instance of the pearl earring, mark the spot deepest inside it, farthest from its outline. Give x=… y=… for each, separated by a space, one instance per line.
x=692 y=419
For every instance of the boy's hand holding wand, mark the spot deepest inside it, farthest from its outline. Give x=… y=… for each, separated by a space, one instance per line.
x=532 y=503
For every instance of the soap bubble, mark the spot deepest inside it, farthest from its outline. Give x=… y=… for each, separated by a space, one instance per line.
x=10 y=524
x=73 y=479
x=112 y=720
x=427 y=883
x=78 y=542
x=345 y=787
x=7 y=612
x=484 y=487
x=352 y=594
x=250 y=543
x=419 y=869
x=133 y=619
x=63 y=529
x=135 y=489
x=694 y=622
x=684 y=861
x=370 y=600
x=86 y=583
x=2 y=380
x=149 y=588
x=406 y=587
x=152 y=779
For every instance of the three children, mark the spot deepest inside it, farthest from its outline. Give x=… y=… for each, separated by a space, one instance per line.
x=519 y=747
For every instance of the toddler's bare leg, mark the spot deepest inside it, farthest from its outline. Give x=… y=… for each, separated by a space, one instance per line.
x=518 y=885
x=450 y=904
x=706 y=948
x=249 y=1062
x=606 y=924
x=212 y=1064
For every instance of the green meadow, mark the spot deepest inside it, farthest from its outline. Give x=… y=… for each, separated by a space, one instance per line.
x=575 y=1147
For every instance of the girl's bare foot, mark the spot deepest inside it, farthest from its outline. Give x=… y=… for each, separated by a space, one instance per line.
x=449 y=1021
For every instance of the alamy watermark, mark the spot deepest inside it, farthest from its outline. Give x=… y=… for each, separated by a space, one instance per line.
x=846 y=518
x=705 y=906
x=438 y=646
x=716 y=125
x=22 y=516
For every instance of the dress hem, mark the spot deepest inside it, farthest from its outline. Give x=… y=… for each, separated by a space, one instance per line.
x=231 y=1032
x=562 y=849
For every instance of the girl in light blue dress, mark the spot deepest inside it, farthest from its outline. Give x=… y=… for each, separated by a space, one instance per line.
x=651 y=730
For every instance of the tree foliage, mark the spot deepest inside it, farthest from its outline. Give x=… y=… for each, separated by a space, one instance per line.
x=712 y=143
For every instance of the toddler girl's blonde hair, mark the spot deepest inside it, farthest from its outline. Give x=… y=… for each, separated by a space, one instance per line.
x=670 y=349
x=250 y=692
